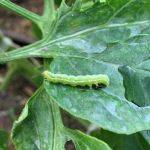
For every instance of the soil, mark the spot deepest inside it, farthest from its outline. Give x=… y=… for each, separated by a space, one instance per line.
x=12 y=101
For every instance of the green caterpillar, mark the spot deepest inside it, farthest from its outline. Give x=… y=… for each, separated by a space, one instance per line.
x=85 y=80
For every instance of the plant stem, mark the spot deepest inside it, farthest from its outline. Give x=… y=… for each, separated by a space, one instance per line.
x=22 y=11
x=49 y=8
x=49 y=15
x=21 y=52
x=9 y=76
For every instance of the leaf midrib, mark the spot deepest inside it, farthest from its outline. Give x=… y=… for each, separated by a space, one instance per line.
x=34 y=49
x=104 y=26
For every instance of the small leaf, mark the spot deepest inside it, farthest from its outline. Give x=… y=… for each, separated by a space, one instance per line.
x=137 y=84
x=40 y=127
x=122 y=142
x=83 y=142
x=36 y=128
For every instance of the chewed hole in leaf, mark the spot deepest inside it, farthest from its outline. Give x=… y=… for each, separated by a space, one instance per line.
x=69 y=145
x=94 y=87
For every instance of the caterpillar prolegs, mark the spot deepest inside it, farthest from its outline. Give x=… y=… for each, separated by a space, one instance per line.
x=81 y=80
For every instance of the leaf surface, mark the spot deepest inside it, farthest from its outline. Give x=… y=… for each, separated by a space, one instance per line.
x=107 y=45
x=39 y=127
x=122 y=142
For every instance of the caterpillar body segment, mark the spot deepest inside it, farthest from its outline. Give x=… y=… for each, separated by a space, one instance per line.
x=81 y=80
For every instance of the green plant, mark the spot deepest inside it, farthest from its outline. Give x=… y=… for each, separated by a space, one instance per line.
x=4 y=139
x=110 y=37
x=23 y=67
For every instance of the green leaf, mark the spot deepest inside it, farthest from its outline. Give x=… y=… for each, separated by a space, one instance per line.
x=36 y=127
x=83 y=141
x=95 y=33
x=96 y=40
x=24 y=67
x=122 y=142
x=106 y=107
x=102 y=43
x=146 y=135
x=3 y=140
x=136 y=82
x=40 y=127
